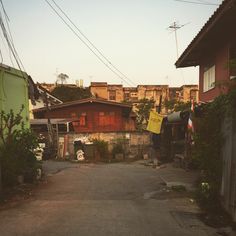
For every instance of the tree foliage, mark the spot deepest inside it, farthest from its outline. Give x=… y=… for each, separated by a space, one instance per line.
x=208 y=145
x=61 y=78
x=143 y=110
x=67 y=94
x=174 y=105
x=16 y=149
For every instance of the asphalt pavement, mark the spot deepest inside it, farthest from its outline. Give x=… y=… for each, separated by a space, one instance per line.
x=104 y=199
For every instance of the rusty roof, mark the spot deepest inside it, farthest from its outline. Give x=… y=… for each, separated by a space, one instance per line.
x=83 y=101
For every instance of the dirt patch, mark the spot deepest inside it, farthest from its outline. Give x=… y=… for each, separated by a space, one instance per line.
x=14 y=196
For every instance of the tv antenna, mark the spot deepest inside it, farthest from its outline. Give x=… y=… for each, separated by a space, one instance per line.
x=173 y=28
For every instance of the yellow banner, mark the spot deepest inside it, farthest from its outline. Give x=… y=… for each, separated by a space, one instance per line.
x=154 y=123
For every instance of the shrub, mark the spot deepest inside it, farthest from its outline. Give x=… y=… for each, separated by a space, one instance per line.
x=16 y=150
x=117 y=148
x=101 y=148
x=207 y=149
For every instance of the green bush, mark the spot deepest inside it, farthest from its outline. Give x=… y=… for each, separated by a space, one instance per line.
x=101 y=148
x=117 y=148
x=208 y=145
x=16 y=150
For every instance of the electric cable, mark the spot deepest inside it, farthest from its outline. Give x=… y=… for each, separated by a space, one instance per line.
x=1 y=56
x=200 y=3
x=91 y=43
x=7 y=49
x=10 y=35
x=5 y=34
x=85 y=43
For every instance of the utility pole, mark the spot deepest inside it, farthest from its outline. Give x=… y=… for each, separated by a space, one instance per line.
x=50 y=128
x=173 y=28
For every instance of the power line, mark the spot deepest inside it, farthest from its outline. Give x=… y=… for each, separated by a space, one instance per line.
x=92 y=44
x=199 y=3
x=7 y=49
x=10 y=35
x=9 y=38
x=88 y=44
x=96 y=49
x=1 y=55
x=5 y=34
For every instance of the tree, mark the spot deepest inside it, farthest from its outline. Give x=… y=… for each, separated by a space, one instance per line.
x=143 y=110
x=62 y=78
x=174 y=105
x=67 y=94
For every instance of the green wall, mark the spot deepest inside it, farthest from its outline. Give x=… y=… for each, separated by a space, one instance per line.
x=14 y=92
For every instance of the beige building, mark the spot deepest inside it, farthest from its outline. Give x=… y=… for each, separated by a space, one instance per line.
x=184 y=93
x=118 y=93
x=99 y=89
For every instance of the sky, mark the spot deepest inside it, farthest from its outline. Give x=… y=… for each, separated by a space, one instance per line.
x=132 y=34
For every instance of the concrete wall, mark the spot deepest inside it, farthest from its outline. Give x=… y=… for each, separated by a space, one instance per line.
x=100 y=91
x=119 y=93
x=136 y=143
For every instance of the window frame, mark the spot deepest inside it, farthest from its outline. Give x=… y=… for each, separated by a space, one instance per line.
x=209 y=78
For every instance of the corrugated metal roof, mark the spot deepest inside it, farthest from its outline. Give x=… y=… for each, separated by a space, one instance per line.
x=82 y=101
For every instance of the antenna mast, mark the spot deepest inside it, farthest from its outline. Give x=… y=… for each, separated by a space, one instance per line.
x=174 y=27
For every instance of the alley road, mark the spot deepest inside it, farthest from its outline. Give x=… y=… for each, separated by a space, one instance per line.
x=101 y=199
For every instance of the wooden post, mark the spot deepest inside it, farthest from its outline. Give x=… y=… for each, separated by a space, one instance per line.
x=50 y=128
x=160 y=104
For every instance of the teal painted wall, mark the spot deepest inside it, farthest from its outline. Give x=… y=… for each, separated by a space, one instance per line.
x=14 y=92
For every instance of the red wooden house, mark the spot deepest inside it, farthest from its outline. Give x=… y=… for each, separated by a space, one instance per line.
x=92 y=115
x=212 y=50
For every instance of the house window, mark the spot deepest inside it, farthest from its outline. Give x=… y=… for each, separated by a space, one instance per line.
x=106 y=119
x=112 y=95
x=209 y=78
x=126 y=96
x=82 y=119
x=149 y=94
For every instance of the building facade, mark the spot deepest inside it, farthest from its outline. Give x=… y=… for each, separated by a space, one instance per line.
x=16 y=87
x=92 y=115
x=213 y=50
x=118 y=93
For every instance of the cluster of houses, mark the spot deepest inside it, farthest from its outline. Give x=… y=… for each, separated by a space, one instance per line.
x=108 y=114
x=105 y=115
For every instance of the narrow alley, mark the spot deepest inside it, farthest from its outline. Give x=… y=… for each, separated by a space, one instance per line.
x=103 y=199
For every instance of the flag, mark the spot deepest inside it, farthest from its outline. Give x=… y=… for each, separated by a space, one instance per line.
x=190 y=124
x=154 y=122
x=190 y=120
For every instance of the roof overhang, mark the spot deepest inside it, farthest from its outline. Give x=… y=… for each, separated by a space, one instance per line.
x=85 y=101
x=52 y=121
x=218 y=29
